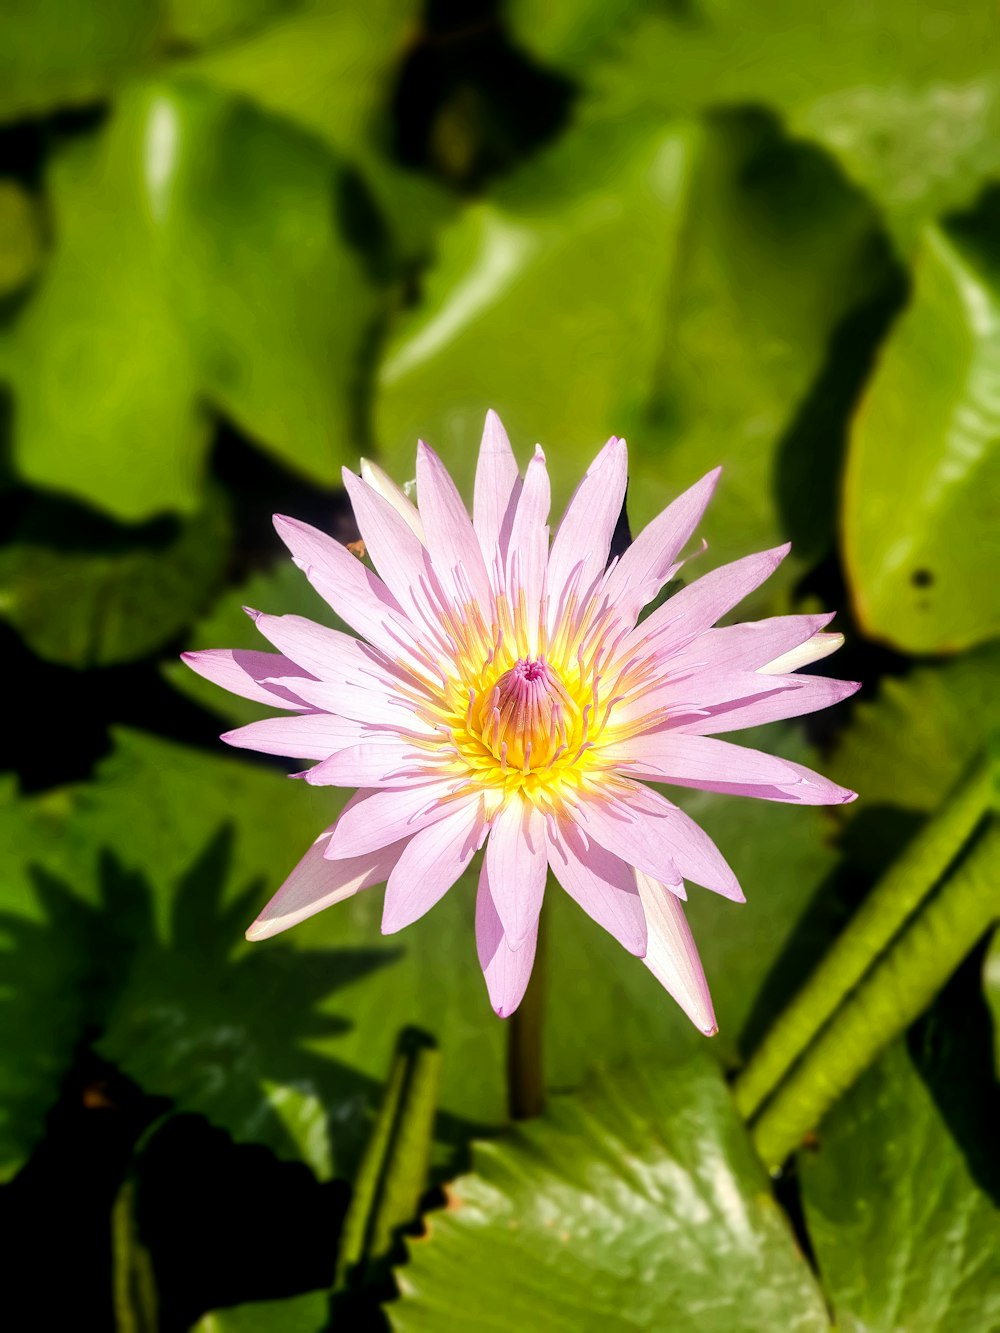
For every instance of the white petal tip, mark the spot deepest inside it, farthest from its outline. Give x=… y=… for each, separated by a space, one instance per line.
x=262 y=930
x=254 y=614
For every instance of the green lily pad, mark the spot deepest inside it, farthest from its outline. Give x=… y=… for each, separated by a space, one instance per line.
x=112 y=600
x=200 y=259
x=637 y=1203
x=921 y=539
x=211 y=22
x=904 y=1235
x=601 y=289
x=283 y=590
x=906 y=97
x=91 y=891
x=308 y=1313
x=327 y=69
x=22 y=243
x=57 y=53
x=324 y=67
x=910 y=744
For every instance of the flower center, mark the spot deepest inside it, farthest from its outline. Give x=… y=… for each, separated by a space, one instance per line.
x=525 y=721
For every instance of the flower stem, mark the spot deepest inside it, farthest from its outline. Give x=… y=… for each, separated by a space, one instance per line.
x=899 y=892
x=888 y=1000
x=525 y=1073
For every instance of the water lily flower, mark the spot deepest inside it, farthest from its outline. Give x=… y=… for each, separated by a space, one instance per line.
x=504 y=691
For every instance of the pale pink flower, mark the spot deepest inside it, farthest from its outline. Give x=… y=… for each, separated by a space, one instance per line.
x=503 y=691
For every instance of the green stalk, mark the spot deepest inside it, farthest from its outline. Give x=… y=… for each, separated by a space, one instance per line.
x=888 y=1000
x=393 y=1172
x=525 y=1071
x=134 y=1295
x=899 y=892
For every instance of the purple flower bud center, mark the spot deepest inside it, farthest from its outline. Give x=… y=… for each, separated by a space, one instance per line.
x=526 y=715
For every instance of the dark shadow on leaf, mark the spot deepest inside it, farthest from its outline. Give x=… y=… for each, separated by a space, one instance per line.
x=820 y=923
x=227 y=1223
x=868 y=845
x=952 y=1049
x=809 y=459
x=184 y=1007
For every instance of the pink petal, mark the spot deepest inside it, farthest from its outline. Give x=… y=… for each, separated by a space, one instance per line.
x=589 y=523
x=647 y=564
x=356 y=594
x=451 y=538
x=801 y=695
x=395 y=550
x=373 y=819
x=307 y=736
x=507 y=971
x=378 y=761
x=672 y=956
x=366 y=699
x=699 y=605
x=748 y=646
x=518 y=862
x=316 y=883
x=602 y=884
x=327 y=654
x=711 y=765
x=527 y=554
x=690 y=848
x=497 y=487
x=430 y=863
x=630 y=834
x=242 y=671
x=688 y=693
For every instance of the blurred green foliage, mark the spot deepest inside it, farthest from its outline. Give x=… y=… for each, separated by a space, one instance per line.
x=241 y=244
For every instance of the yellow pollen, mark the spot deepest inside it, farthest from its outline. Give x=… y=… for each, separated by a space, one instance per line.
x=520 y=710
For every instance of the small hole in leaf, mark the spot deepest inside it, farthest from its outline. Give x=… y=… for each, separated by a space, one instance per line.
x=922 y=578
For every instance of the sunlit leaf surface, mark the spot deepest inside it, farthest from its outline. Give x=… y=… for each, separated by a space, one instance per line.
x=921 y=512
x=637 y=1203
x=204 y=260
x=905 y=96
x=672 y=283
x=297 y=1314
